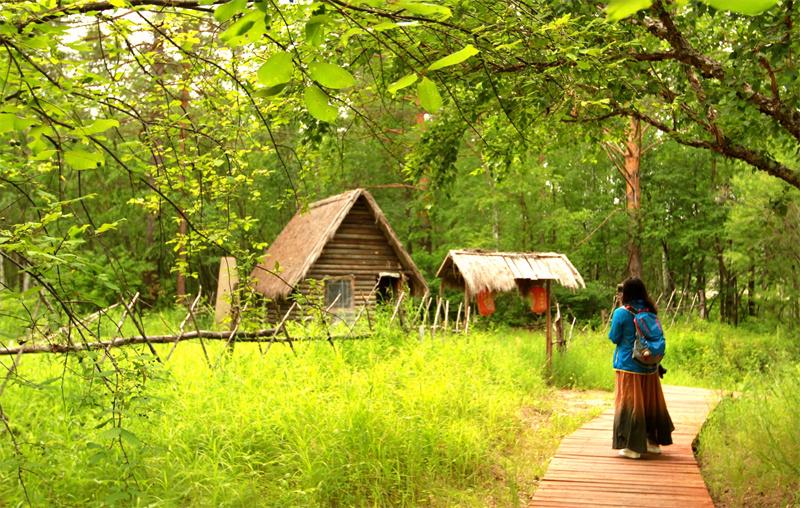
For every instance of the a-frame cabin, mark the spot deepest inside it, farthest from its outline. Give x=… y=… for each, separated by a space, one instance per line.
x=343 y=244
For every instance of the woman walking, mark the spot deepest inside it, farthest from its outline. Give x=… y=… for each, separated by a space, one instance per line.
x=641 y=420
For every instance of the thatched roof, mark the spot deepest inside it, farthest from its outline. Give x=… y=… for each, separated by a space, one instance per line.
x=301 y=242
x=504 y=271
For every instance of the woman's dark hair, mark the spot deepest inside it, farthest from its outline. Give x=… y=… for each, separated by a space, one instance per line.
x=633 y=289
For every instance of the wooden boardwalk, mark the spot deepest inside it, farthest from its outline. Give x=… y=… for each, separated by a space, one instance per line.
x=587 y=472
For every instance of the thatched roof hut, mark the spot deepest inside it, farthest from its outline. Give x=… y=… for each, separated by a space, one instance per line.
x=344 y=238
x=479 y=270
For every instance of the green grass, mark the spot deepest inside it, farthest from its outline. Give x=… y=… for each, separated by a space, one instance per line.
x=699 y=353
x=388 y=421
x=749 y=448
x=456 y=421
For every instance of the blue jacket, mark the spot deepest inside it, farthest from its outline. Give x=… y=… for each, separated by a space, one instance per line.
x=622 y=333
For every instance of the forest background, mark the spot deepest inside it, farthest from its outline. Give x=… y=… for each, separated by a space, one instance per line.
x=144 y=142
x=144 y=139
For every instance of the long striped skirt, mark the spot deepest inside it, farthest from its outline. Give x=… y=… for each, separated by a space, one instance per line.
x=640 y=412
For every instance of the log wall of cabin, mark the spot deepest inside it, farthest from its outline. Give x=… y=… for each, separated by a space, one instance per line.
x=358 y=249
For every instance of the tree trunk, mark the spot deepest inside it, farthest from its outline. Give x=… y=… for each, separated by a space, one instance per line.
x=633 y=154
x=666 y=276
x=751 y=291
x=527 y=237
x=722 y=274
x=701 y=287
x=426 y=238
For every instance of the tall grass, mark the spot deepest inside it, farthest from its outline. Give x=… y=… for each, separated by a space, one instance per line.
x=699 y=353
x=750 y=447
x=387 y=421
x=466 y=421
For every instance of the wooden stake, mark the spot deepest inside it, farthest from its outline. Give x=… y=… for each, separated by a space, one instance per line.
x=677 y=309
x=418 y=314
x=572 y=327
x=691 y=308
x=559 y=326
x=466 y=309
x=436 y=317
x=397 y=307
x=670 y=300
x=280 y=326
x=369 y=319
x=446 y=314
x=180 y=328
x=458 y=317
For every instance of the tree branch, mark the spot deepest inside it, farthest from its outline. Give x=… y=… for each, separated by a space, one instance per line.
x=266 y=335
x=70 y=9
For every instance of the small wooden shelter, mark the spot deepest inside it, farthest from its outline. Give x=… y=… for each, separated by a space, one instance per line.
x=475 y=271
x=345 y=244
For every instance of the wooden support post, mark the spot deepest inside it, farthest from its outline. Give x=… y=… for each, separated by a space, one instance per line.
x=458 y=317
x=549 y=334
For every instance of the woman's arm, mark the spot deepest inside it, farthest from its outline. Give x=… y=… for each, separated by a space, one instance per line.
x=615 y=333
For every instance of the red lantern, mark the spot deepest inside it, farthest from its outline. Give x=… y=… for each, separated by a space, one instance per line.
x=485 y=303
x=539 y=301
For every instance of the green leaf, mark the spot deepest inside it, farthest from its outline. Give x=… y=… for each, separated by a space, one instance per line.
x=44 y=155
x=315 y=30
x=81 y=159
x=424 y=9
x=270 y=91
x=11 y=122
x=344 y=40
x=454 y=58
x=402 y=83
x=7 y=122
x=748 y=7
x=386 y=25
x=228 y=10
x=429 y=95
x=620 y=9
x=246 y=29
x=330 y=75
x=129 y=437
x=98 y=126
x=108 y=226
x=277 y=70
x=317 y=104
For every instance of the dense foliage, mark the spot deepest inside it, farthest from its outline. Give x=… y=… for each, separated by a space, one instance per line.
x=145 y=139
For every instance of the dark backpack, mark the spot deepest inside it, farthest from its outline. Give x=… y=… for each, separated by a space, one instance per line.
x=649 y=345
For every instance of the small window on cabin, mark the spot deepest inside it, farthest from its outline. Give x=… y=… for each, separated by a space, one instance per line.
x=339 y=293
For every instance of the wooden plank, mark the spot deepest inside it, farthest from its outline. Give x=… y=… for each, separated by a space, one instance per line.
x=587 y=472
